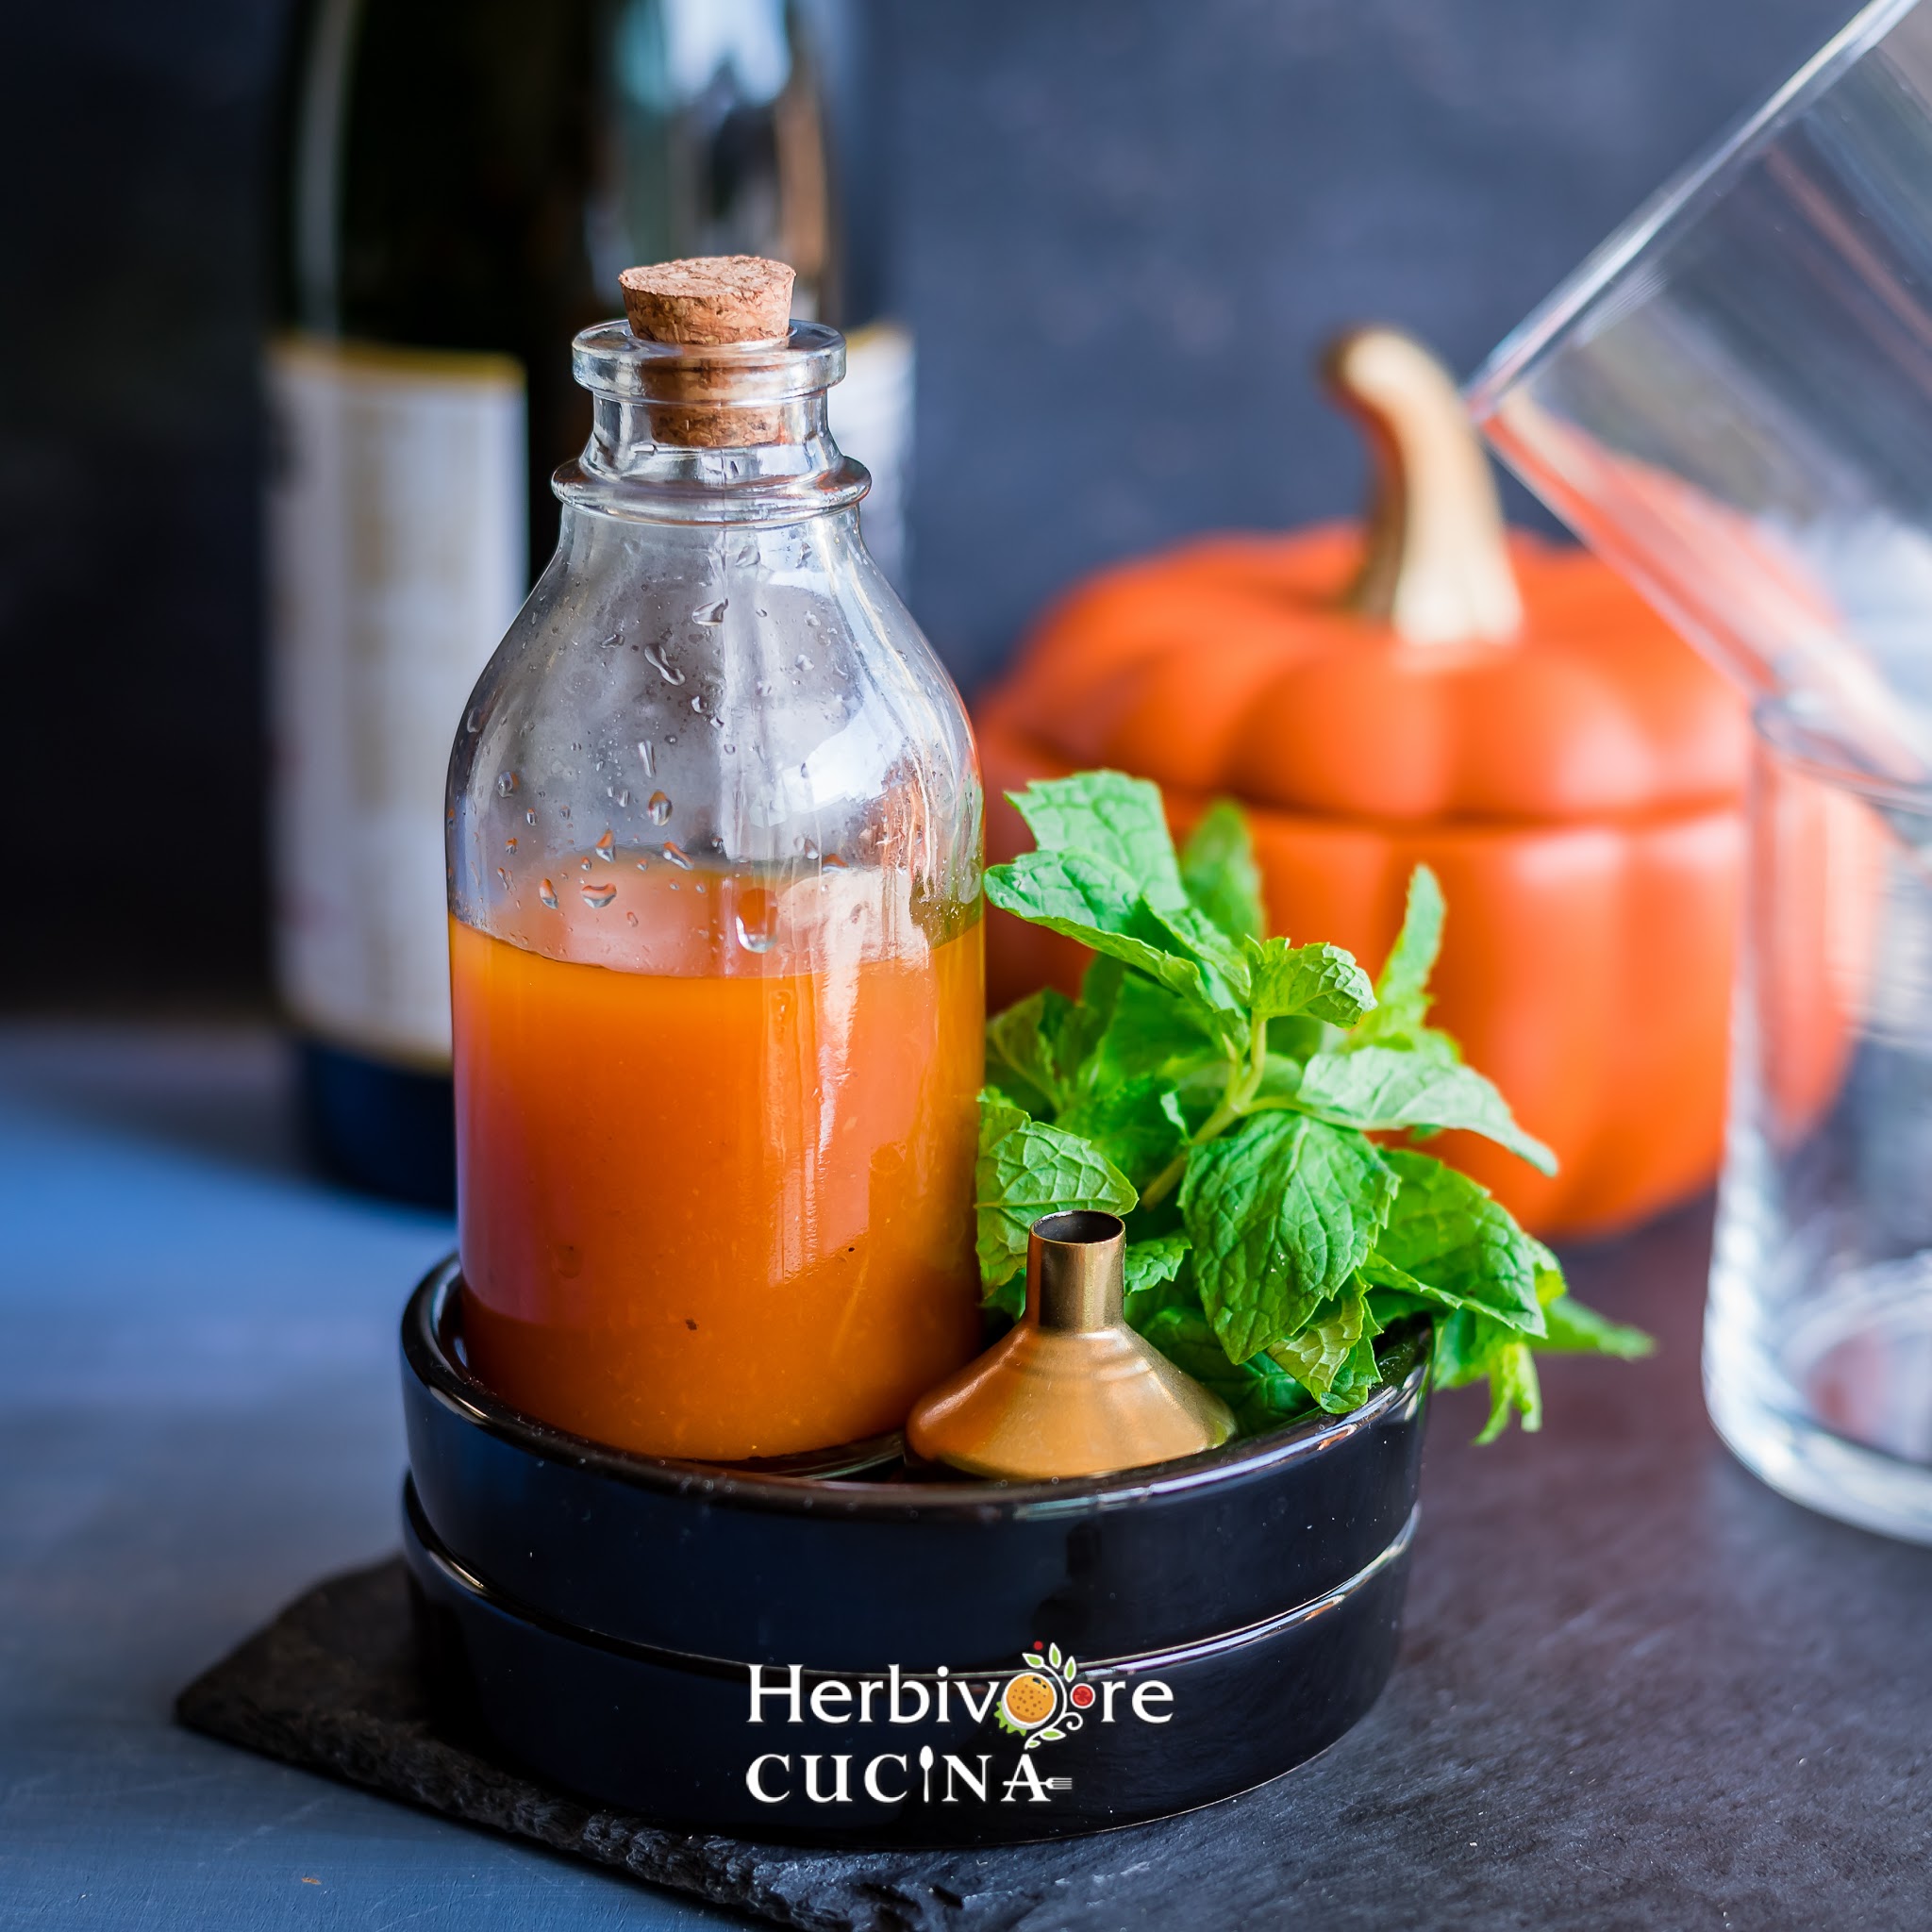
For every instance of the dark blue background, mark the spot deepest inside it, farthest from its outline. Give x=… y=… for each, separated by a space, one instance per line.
x=1122 y=227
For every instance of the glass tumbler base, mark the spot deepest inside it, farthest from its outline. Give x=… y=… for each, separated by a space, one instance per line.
x=1840 y=1419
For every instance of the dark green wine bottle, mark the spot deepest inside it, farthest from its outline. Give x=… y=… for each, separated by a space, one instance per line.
x=459 y=183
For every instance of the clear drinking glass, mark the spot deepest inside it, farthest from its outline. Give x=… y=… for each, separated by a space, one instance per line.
x=1732 y=398
x=1817 y=1339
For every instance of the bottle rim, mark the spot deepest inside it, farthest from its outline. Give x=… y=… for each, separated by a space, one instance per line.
x=611 y=360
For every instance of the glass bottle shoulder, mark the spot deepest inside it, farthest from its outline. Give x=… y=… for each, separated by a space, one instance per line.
x=714 y=748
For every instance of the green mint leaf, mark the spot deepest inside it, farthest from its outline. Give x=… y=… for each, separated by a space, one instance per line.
x=1470 y=1345
x=1152 y=1284
x=1281 y=1080
x=1281 y=1212
x=1219 y=873
x=1358 y=1378
x=1069 y=891
x=1107 y=815
x=1023 y=1051
x=1150 y=1031
x=1149 y=1263
x=1320 y=982
x=1027 y=1169
x=1094 y=901
x=1465 y=1341
x=1136 y=1124
x=1298 y=1039
x=1392 y=1305
x=1572 y=1329
x=1549 y=1272
x=1447 y=1237
x=1315 y=1355
x=1388 y=1090
x=1223 y=965
x=1378 y=1272
x=1092 y=1014
x=1402 y=991
x=1261 y=1394
x=1513 y=1386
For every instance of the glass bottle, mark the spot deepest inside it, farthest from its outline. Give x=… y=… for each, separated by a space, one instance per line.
x=456 y=183
x=714 y=845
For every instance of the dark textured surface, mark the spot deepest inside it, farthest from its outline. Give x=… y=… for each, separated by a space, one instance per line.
x=1120 y=229
x=1636 y=1689
x=1125 y=230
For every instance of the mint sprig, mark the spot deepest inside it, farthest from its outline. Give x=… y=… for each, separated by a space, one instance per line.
x=1221 y=1090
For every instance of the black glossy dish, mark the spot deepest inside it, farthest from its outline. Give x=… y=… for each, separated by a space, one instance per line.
x=601 y=1614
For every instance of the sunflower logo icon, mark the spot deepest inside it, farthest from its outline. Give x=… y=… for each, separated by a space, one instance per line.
x=1043 y=1700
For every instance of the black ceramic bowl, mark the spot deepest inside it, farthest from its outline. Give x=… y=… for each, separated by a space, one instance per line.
x=834 y=1657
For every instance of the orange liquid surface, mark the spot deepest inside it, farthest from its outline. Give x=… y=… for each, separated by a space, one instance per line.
x=717 y=1214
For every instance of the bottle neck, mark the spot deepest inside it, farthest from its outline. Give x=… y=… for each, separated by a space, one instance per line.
x=716 y=435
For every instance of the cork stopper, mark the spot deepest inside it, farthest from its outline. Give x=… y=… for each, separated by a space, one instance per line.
x=708 y=299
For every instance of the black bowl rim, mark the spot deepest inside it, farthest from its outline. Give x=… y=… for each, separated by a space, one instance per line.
x=451 y=1384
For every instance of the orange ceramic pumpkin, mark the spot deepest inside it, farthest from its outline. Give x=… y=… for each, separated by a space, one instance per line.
x=1508 y=712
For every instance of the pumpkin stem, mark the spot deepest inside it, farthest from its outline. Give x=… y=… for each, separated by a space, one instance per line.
x=1436 y=568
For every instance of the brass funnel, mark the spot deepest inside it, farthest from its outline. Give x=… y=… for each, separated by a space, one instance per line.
x=1070 y=1389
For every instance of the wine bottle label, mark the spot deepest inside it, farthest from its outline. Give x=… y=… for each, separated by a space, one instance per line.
x=871 y=418
x=398 y=556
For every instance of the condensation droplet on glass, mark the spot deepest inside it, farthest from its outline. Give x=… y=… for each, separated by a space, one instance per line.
x=564 y=809
x=622 y=799
x=473 y=723
x=510 y=844
x=729 y=747
x=673 y=852
x=597 y=893
x=529 y=818
x=671 y=738
x=809 y=847
x=711 y=613
x=630 y=919
x=717 y=724
x=612 y=642
x=658 y=808
x=547 y=892
x=646 y=756
x=501 y=874
x=583 y=865
x=802 y=661
x=698 y=703
x=757 y=909
x=654 y=656
x=605 y=848
x=505 y=783
x=761 y=688
x=832 y=862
